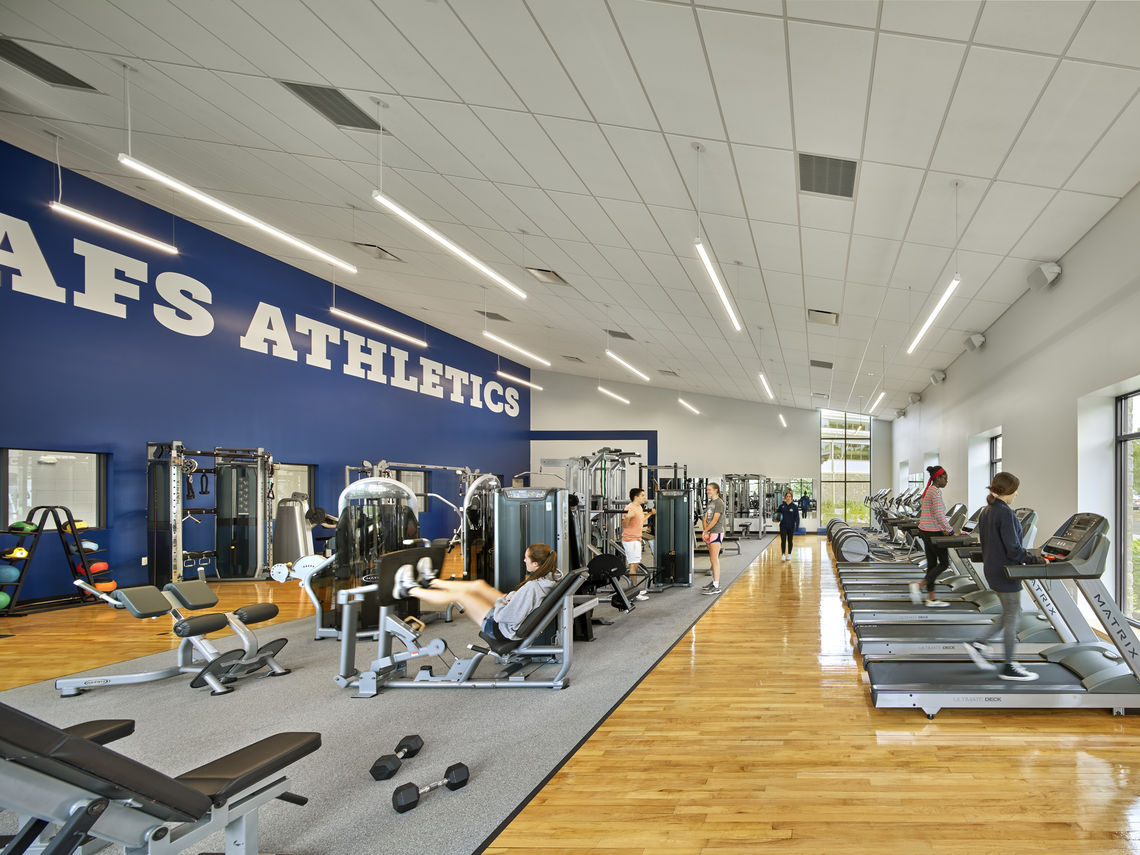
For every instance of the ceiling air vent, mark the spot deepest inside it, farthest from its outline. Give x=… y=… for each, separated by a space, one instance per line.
x=820 y=395
x=827 y=175
x=376 y=251
x=334 y=106
x=547 y=276
x=39 y=67
x=667 y=371
x=619 y=334
x=573 y=359
x=819 y=316
x=819 y=363
x=492 y=316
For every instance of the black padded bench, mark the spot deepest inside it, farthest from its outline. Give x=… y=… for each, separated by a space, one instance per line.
x=67 y=777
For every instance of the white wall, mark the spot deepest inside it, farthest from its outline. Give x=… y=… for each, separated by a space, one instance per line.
x=729 y=435
x=1046 y=375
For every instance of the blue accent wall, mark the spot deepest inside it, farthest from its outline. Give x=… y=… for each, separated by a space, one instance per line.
x=78 y=377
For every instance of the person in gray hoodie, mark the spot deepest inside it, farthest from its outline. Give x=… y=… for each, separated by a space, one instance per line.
x=496 y=613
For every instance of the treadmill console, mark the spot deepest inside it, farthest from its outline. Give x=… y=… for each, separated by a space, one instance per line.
x=1075 y=538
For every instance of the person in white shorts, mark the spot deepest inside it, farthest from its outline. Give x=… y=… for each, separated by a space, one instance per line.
x=632 y=523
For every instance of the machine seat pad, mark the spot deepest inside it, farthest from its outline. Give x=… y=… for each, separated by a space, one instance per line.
x=226 y=776
x=88 y=766
x=102 y=730
x=500 y=647
x=143 y=601
x=256 y=613
x=195 y=594
x=604 y=567
x=196 y=625
x=566 y=587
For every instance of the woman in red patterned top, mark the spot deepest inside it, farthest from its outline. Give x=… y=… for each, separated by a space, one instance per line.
x=932 y=522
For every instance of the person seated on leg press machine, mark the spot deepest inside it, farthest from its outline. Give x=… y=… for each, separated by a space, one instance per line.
x=496 y=613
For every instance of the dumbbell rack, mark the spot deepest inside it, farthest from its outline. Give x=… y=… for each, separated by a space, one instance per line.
x=73 y=552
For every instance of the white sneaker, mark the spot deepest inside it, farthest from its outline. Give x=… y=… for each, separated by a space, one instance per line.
x=642 y=595
x=405 y=581
x=425 y=572
x=1016 y=671
x=915 y=593
x=975 y=649
x=937 y=604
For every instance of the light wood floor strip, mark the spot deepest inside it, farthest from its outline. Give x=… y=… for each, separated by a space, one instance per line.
x=756 y=733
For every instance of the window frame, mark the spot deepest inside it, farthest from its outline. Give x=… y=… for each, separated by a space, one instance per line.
x=855 y=432
x=1123 y=505
x=102 y=459
x=996 y=455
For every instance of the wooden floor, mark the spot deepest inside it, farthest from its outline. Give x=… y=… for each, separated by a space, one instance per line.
x=756 y=733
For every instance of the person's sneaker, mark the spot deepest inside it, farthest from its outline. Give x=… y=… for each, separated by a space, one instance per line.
x=975 y=650
x=425 y=572
x=707 y=587
x=1016 y=671
x=710 y=590
x=643 y=595
x=405 y=581
x=915 y=593
x=936 y=604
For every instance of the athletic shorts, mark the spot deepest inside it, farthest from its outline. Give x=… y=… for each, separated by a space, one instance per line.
x=715 y=537
x=491 y=627
x=632 y=551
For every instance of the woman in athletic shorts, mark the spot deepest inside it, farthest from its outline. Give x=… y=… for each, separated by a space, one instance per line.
x=712 y=524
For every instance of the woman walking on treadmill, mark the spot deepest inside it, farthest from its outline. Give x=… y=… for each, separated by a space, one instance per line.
x=932 y=522
x=1000 y=533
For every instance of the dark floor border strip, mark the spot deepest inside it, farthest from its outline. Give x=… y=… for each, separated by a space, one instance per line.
x=605 y=717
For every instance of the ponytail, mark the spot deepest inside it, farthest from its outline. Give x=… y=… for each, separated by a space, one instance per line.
x=547 y=561
x=1004 y=484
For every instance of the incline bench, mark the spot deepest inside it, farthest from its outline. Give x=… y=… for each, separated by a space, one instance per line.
x=66 y=777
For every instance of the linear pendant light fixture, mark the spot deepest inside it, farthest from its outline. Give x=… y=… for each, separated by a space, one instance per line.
x=613 y=395
x=626 y=365
x=878 y=401
x=516 y=348
x=515 y=379
x=688 y=406
x=92 y=220
x=767 y=388
x=349 y=316
x=453 y=248
x=954 y=283
x=230 y=211
x=703 y=253
x=782 y=421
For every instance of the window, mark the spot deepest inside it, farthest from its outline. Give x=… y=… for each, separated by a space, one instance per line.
x=76 y=480
x=417 y=479
x=290 y=478
x=1128 y=502
x=845 y=465
x=995 y=456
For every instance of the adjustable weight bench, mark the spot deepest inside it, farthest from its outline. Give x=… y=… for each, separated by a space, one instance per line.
x=56 y=776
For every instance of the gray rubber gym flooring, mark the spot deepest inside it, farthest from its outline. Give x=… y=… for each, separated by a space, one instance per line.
x=511 y=739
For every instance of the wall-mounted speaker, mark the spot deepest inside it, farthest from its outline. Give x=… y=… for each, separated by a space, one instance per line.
x=974 y=340
x=937 y=377
x=913 y=398
x=1044 y=275
x=900 y=413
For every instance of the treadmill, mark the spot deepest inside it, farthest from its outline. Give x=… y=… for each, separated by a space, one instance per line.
x=1073 y=675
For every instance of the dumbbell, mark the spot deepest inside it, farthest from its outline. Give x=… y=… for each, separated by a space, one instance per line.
x=389 y=764
x=407 y=796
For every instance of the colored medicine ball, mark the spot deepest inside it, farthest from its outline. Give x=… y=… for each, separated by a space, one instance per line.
x=8 y=573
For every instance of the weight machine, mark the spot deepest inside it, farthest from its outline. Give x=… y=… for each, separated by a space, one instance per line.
x=744 y=502
x=242 y=512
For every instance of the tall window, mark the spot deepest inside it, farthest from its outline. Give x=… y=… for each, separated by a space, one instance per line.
x=1128 y=502
x=417 y=479
x=845 y=465
x=995 y=456
x=290 y=478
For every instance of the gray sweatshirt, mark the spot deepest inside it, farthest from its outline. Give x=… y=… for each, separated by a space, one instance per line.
x=512 y=608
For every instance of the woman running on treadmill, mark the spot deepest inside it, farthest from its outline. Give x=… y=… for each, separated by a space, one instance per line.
x=496 y=613
x=932 y=522
x=1000 y=533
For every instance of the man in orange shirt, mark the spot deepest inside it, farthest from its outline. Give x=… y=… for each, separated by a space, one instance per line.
x=632 y=522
